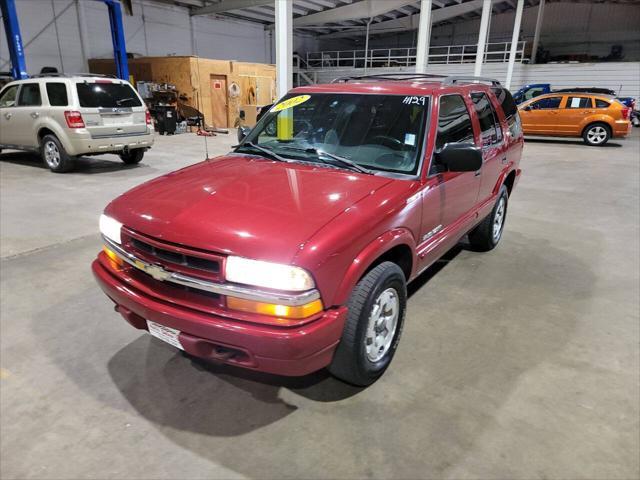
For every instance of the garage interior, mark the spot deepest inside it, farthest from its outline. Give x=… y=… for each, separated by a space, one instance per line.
x=519 y=363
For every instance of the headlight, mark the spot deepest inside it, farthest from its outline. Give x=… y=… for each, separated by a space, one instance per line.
x=110 y=228
x=267 y=274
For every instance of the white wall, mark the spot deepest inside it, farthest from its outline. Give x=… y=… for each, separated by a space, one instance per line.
x=623 y=77
x=578 y=28
x=162 y=30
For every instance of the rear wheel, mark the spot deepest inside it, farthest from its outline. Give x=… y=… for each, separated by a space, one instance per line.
x=131 y=157
x=488 y=233
x=373 y=327
x=596 y=134
x=54 y=155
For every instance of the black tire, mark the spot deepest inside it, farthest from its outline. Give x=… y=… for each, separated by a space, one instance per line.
x=483 y=237
x=596 y=134
x=352 y=362
x=132 y=157
x=54 y=155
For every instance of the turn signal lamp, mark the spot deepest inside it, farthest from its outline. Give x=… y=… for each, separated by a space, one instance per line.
x=115 y=261
x=282 y=311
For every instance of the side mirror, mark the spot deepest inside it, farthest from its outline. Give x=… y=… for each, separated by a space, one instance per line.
x=460 y=157
x=243 y=132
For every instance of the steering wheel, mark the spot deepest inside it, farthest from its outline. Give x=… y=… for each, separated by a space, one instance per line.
x=388 y=141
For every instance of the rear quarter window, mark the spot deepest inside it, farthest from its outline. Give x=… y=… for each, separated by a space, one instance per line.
x=57 y=94
x=506 y=101
x=601 y=103
x=107 y=95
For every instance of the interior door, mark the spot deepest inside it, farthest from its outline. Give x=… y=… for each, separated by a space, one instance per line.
x=541 y=116
x=219 y=107
x=8 y=99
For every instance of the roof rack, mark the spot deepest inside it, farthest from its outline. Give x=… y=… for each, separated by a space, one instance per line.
x=466 y=78
x=56 y=74
x=390 y=76
x=446 y=79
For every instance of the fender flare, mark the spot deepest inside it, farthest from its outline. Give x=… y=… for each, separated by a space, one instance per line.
x=368 y=255
x=57 y=131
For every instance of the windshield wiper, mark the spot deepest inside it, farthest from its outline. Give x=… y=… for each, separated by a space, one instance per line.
x=266 y=151
x=122 y=100
x=344 y=162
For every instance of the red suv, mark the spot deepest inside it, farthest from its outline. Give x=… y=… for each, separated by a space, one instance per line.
x=293 y=252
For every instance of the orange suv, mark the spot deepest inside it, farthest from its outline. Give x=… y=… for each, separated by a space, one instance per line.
x=595 y=118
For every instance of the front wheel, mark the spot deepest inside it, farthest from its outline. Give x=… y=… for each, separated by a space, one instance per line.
x=596 y=134
x=488 y=233
x=131 y=157
x=374 y=324
x=54 y=155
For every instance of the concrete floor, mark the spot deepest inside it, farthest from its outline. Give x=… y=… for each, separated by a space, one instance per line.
x=519 y=363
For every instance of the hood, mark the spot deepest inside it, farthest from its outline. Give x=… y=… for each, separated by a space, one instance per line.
x=243 y=205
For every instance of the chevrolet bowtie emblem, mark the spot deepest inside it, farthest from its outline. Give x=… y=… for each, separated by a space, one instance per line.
x=155 y=271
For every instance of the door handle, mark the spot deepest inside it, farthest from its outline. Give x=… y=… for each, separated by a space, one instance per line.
x=8 y=115
x=504 y=160
x=35 y=114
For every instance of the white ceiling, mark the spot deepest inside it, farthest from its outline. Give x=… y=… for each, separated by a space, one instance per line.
x=322 y=17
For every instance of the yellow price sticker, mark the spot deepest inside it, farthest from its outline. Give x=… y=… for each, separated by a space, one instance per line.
x=290 y=103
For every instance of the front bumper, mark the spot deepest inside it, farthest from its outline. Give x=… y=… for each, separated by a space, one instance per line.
x=82 y=143
x=291 y=351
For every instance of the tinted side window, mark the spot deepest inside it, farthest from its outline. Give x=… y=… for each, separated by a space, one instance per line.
x=57 y=93
x=29 y=95
x=546 y=103
x=578 y=102
x=454 y=122
x=489 y=124
x=507 y=102
x=8 y=97
x=601 y=103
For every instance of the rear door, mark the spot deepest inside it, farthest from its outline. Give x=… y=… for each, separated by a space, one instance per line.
x=575 y=110
x=492 y=141
x=110 y=108
x=8 y=98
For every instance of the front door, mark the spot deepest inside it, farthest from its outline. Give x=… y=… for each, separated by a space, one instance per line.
x=540 y=117
x=29 y=108
x=219 y=108
x=448 y=196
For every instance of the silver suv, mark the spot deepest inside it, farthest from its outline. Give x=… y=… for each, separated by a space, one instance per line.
x=62 y=117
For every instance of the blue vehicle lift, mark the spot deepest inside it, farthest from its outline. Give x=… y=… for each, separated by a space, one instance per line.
x=14 y=39
x=16 y=49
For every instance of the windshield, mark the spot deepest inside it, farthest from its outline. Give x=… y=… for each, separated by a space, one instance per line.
x=355 y=131
x=107 y=94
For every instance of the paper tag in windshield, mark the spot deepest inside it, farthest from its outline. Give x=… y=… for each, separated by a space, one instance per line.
x=409 y=139
x=290 y=103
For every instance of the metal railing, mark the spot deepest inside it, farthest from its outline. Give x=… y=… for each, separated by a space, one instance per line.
x=495 y=52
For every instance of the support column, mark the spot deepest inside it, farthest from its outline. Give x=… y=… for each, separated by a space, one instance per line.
x=366 y=46
x=482 y=37
x=514 y=42
x=424 y=36
x=536 y=35
x=84 y=37
x=284 y=46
